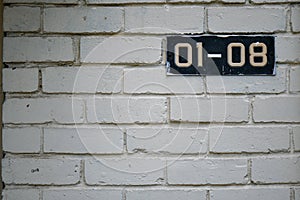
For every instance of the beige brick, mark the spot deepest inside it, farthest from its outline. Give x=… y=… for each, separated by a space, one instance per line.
x=155 y=80
x=248 y=139
x=270 y=170
x=120 y=49
x=83 y=20
x=130 y=171
x=169 y=140
x=127 y=110
x=37 y=49
x=21 y=18
x=20 y=80
x=276 y=109
x=84 y=79
x=295 y=79
x=226 y=20
x=83 y=140
x=207 y=171
x=40 y=171
x=164 y=19
x=214 y=109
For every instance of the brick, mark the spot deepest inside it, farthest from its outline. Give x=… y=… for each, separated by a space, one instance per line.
x=20 y=194
x=225 y=20
x=83 y=20
x=203 y=109
x=41 y=110
x=164 y=19
x=234 y=1
x=207 y=171
x=295 y=16
x=158 y=194
x=84 y=79
x=128 y=171
x=21 y=140
x=295 y=79
x=270 y=170
x=248 y=139
x=297 y=194
x=161 y=84
x=127 y=110
x=43 y=1
x=188 y=1
x=83 y=140
x=123 y=1
x=287 y=49
x=82 y=194
x=40 y=171
x=250 y=194
x=20 y=80
x=37 y=49
x=276 y=109
x=117 y=49
x=247 y=84
x=296 y=132
x=21 y=18
x=273 y=1
x=170 y=140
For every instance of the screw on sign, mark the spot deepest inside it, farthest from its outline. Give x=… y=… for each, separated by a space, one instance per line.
x=213 y=55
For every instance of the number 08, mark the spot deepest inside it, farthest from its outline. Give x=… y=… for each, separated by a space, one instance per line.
x=253 y=54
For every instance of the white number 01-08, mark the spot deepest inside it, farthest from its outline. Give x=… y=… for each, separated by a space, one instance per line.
x=253 y=54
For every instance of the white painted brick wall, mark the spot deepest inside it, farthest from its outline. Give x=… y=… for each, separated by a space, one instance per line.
x=164 y=19
x=158 y=140
x=40 y=171
x=214 y=109
x=79 y=20
x=207 y=171
x=120 y=171
x=21 y=19
x=248 y=139
x=270 y=170
x=22 y=140
x=37 y=49
x=226 y=20
x=84 y=79
x=89 y=112
x=79 y=194
x=276 y=109
x=83 y=140
x=20 y=80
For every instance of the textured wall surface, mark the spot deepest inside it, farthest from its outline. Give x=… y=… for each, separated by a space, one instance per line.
x=89 y=112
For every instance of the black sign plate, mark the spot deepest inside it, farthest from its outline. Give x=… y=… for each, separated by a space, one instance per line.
x=216 y=55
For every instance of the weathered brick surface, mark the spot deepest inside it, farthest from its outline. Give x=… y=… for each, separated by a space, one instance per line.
x=89 y=111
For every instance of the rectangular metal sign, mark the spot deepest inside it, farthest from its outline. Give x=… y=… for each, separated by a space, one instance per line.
x=216 y=55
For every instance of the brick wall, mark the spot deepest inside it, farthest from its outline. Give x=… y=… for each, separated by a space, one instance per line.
x=89 y=112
